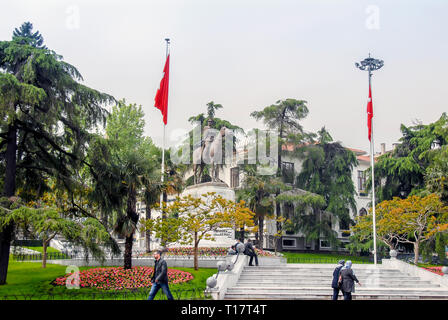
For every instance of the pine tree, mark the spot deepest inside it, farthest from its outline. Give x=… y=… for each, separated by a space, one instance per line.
x=25 y=36
x=284 y=116
x=402 y=171
x=327 y=171
x=46 y=117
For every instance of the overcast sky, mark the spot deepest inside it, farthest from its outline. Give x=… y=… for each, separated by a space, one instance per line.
x=247 y=55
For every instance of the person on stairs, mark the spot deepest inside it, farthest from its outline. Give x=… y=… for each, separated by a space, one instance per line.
x=250 y=251
x=334 y=284
x=347 y=280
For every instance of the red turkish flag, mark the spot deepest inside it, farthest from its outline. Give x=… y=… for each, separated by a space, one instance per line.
x=370 y=113
x=161 y=99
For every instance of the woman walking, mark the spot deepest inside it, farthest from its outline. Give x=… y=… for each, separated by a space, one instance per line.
x=347 y=279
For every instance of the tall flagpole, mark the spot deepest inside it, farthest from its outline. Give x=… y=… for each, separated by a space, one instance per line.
x=370 y=64
x=162 y=176
x=372 y=166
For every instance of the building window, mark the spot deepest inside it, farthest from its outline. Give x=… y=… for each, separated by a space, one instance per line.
x=234 y=177
x=288 y=172
x=289 y=242
x=362 y=212
x=344 y=224
x=289 y=210
x=362 y=183
x=325 y=244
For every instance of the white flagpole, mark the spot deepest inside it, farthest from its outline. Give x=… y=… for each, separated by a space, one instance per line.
x=372 y=64
x=163 y=166
x=372 y=165
x=162 y=176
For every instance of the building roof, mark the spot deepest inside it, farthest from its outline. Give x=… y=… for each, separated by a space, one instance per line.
x=358 y=152
x=361 y=155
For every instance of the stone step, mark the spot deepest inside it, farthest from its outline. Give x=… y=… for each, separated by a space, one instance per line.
x=260 y=269
x=320 y=274
x=328 y=274
x=263 y=296
x=318 y=283
x=257 y=277
x=328 y=291
x=315 y=267
x=302 y=281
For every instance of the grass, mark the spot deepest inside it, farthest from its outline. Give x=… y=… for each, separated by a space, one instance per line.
x=40 y=249
x=52 y=253
x=295 y=257
x=428 y=265
x=28 y=280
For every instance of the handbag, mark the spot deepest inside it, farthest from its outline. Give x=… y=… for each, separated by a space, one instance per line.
x=340 y=282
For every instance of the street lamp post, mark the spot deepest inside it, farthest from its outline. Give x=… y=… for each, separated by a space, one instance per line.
x=370 y=64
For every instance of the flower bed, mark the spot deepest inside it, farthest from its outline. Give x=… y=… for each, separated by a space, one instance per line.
x=205 y=252
x=437 y=270
x=117 y=278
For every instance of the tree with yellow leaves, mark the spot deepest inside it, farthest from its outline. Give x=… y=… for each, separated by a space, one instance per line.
x=190 y=220
x=412 y=220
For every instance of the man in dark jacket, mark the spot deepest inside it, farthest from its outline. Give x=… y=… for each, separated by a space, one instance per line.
x=348 y=280
x=160 y=277
x=250 y=251
x=334 y=284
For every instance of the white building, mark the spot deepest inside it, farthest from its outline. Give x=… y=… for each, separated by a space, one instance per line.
x=232 y=175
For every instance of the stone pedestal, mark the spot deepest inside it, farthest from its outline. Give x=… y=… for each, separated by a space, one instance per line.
x=226 y=236
x=220 y=188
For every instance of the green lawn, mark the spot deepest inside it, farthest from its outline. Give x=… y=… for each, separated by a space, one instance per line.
x=52 y=253
x=28 y=280
x=40 y=249
x=294 y=257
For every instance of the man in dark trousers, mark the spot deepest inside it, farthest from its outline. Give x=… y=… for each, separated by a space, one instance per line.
x=160 y=277
x=334 y=284
x=250 y=251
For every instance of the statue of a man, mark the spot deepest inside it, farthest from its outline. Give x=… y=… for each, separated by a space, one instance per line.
x=208 y=134
x=203 y=157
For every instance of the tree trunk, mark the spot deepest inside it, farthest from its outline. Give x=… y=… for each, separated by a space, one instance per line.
x=147 y=233
x=260 y=232
x=128 y=251
x=242 y=234
x=278 y=240
x=5 y=245
x=44 y=253
x=105 y=220
x=257 y=234
x=164 y=199
x=416 y=252
x=9 y=189
x=196 y=253
x=131 y=212
x=317 y=247
x=279 y=245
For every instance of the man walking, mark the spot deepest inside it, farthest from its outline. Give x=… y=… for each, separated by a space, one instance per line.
x=160 y=277
x=335 y=284
x=250 y=251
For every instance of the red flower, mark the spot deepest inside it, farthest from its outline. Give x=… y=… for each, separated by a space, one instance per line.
x=116 y=278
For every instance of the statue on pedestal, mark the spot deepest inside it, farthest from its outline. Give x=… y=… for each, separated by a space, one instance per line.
x=208 y=152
